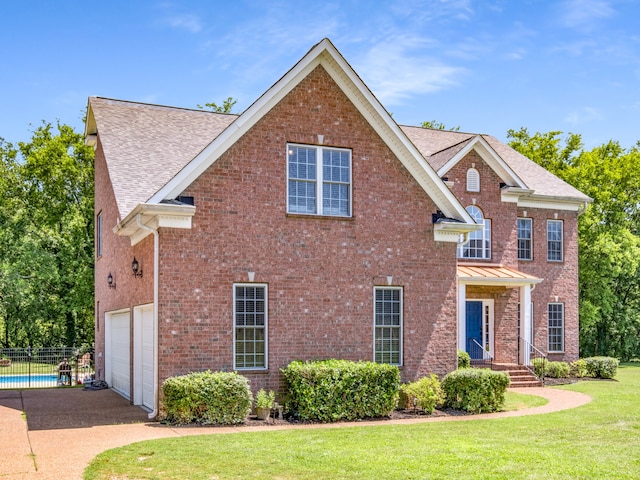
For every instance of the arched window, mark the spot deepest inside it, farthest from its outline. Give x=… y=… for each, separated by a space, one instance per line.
x=473 y=180
x=479 y=244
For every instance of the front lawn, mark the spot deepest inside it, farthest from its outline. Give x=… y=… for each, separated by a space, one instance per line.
x=598 y=440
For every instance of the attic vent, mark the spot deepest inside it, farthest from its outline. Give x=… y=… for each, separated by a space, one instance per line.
x=473 y=180
x=185 y=199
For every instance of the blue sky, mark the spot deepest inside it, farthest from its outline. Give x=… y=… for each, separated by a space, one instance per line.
x=484 y=65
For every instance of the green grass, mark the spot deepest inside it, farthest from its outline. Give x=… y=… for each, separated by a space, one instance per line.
x=23 y=368
x=598 y=440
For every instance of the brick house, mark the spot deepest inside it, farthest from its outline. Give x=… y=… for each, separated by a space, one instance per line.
x=314 y=226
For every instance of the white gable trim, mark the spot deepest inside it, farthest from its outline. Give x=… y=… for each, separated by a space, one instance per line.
x=325 y=54
x=490 y=156
x=154 y=216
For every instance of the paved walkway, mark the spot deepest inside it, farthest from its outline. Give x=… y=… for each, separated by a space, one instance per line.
x=66 y=428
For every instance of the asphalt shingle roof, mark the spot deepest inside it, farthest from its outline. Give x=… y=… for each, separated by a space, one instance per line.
x=145 y=145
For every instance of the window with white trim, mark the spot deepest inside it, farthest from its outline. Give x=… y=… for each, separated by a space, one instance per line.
x=99 y=235
x=554 y=241
x=319 y=180
x=525 y=229
x=473 y=180
x=250 y=326
x=388 y=325
x=479 y=243
x=556 y=327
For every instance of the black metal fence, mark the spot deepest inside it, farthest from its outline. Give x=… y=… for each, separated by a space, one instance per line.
x=44 y=367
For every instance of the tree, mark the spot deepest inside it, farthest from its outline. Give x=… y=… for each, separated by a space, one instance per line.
x=46 y=244
x=609 y=235
x=435 y=125
x=226 y=107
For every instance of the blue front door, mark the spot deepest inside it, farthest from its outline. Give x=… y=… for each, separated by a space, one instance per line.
x=474 y=329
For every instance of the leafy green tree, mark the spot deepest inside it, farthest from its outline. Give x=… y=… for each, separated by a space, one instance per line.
x=46 y=240
x=609 y=235
x=435 y=125
x=226 y=107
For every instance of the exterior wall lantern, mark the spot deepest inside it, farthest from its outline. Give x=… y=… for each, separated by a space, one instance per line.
x=110 y=281
x=135 y=266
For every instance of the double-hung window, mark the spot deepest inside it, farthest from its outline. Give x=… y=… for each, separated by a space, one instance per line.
x=250 y=326
x=554 y=240
x=524 y=239
x=556 y=327
x=319 y=180
x=388 y=325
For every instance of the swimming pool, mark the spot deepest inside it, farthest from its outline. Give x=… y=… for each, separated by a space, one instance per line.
x=27 y=381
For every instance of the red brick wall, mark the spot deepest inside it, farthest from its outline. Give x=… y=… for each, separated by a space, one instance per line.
x=116 y=258
x=320 y=271
x=560 y=278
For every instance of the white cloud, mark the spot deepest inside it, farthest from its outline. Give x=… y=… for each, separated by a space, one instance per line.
x=394 y=73
x=583 y=115
x=185 y=21
x=584 y=14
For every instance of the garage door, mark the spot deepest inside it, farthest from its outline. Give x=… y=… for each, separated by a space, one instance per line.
x=143 y=384
x=117 y=353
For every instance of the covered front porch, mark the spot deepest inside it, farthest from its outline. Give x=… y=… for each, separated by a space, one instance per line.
x=493 y=326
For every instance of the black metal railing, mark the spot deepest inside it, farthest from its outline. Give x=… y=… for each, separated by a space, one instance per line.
x=480 y=357
x=532 y=359
x=44 y=367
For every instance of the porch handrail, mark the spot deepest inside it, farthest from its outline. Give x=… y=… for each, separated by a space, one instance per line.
x=532 y=353
x=487 y=358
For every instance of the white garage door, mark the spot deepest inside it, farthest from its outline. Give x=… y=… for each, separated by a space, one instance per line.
x=117 y=353
x=143 y=357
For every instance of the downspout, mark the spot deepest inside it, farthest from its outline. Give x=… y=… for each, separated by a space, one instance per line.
x=156 y=276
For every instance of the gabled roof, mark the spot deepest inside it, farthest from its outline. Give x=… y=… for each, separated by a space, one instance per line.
x=528 y=183
x=326 y=55
x=147 y=145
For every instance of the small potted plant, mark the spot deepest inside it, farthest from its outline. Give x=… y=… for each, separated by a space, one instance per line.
x=264 y=403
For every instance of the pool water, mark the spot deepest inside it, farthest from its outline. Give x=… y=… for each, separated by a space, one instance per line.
x=25 y=381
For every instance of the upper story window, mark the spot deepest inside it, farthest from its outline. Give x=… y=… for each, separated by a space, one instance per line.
x=525 y=227
x=319 y=180
x=554 y=241
x=388 y=325
x=250 y=326
x=99 y=235
x=473 y=180
x=479 y=244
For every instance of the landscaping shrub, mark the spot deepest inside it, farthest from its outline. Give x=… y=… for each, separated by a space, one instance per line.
x=558 y=370
x=464 y=359
x=579 y=368
x=207 y=398
x=475 y=390
x=426 y=391
x=602 y=367
x=539 y=367
x=332 y=390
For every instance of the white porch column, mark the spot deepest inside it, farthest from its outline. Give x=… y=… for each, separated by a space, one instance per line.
x=525 y=322
x=462 y=316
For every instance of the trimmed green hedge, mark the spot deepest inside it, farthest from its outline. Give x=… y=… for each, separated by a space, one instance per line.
x=333 y=390
x=476 y=390
x=222 y=398
x=464 y=359
x=426 y=392
x=602 y=367
x=558 y=370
